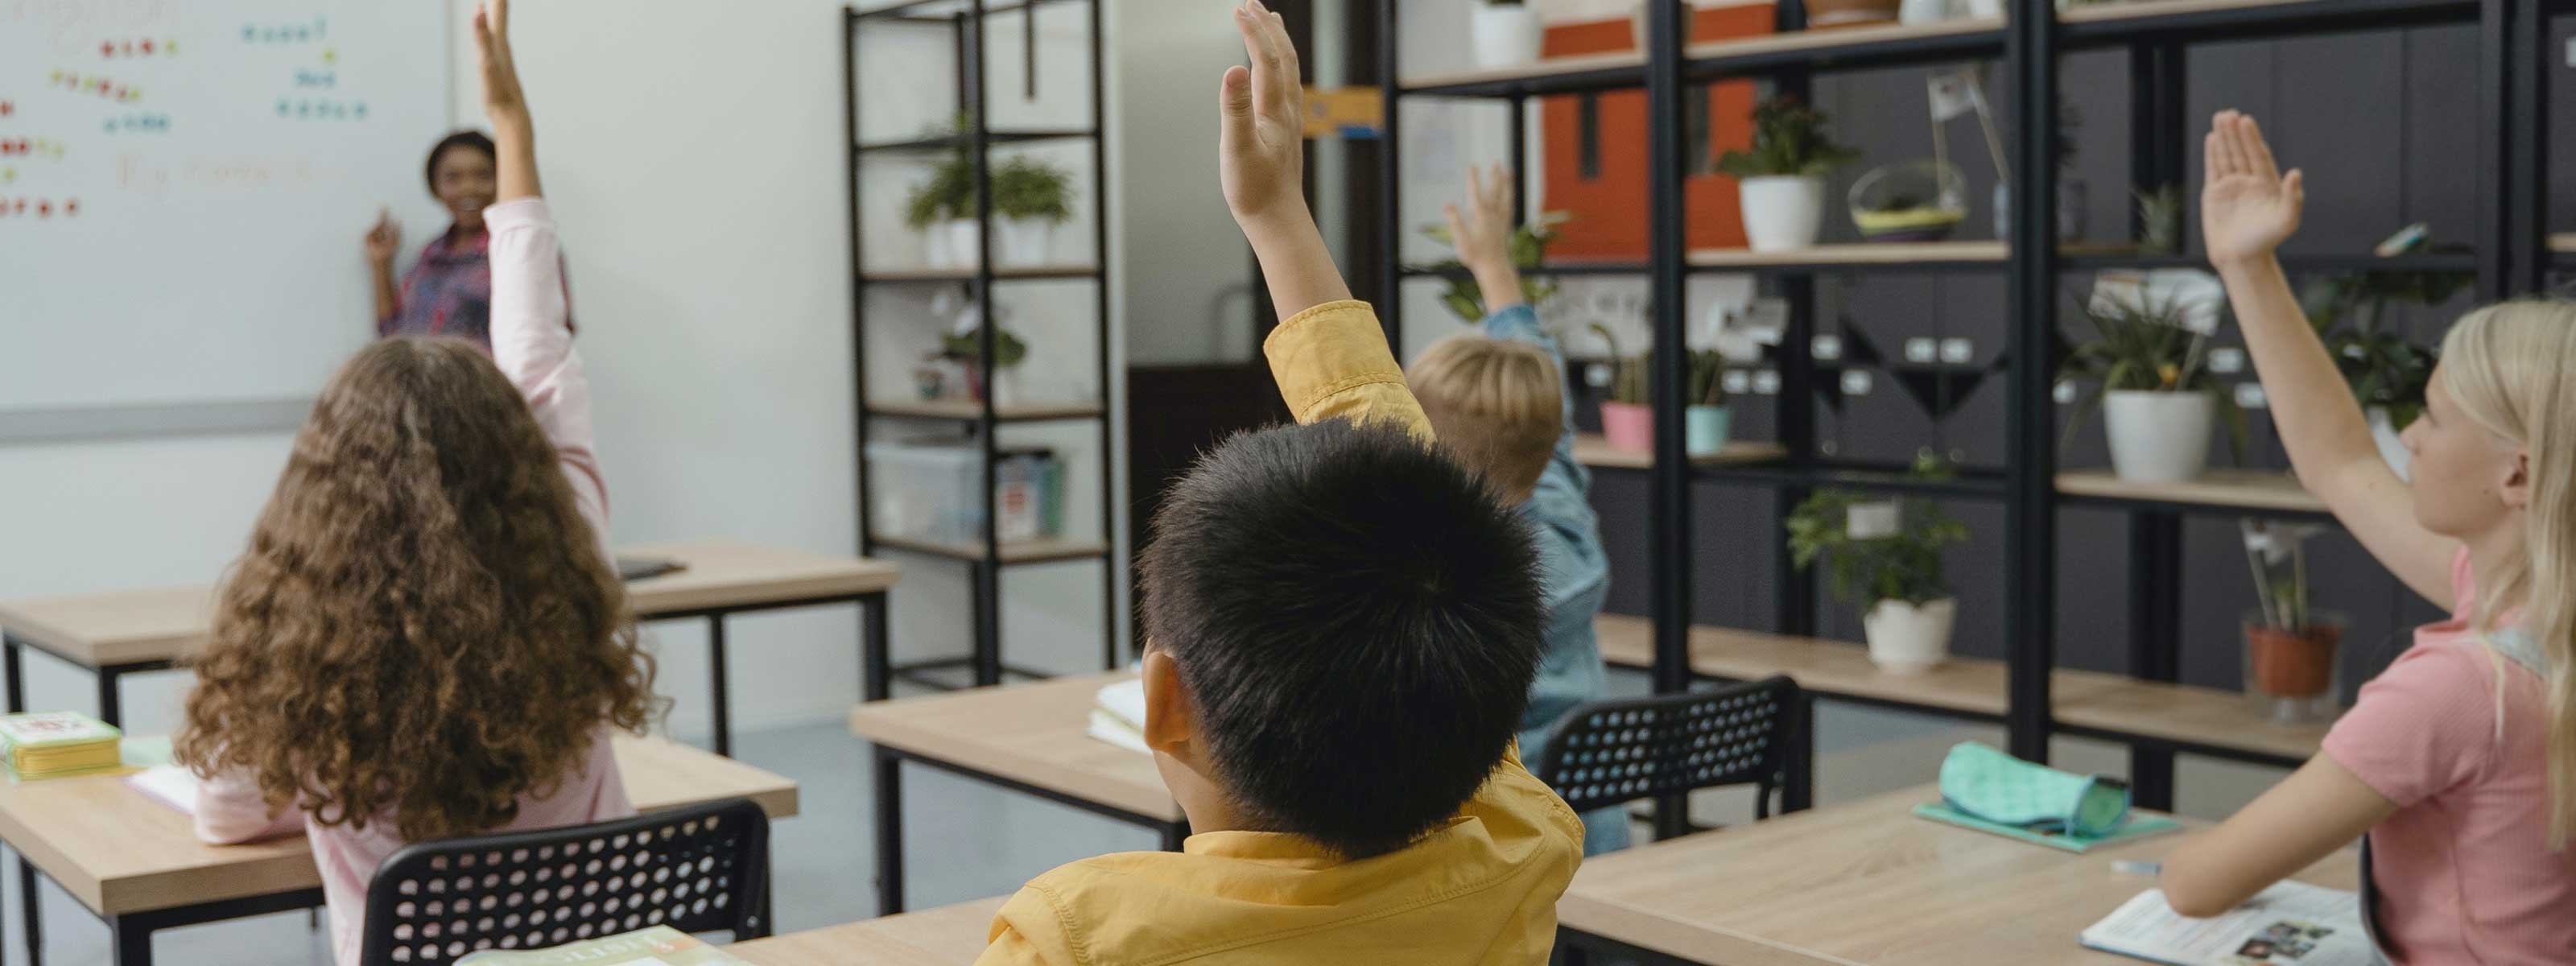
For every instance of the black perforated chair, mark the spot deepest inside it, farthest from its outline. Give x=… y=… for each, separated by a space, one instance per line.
x=1614 y=752
x=698 y=869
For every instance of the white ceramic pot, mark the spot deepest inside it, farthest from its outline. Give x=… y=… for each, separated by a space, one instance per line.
x=1991 y=8
x=1923 y=11
x=1783 y=212
x=952 y=243
x=1026 y=242
x=1909 y=638
x=1505 y=36
x=2159 y=437
x=2392 y=445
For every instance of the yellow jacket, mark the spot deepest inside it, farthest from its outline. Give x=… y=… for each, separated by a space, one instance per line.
x=1481 y=889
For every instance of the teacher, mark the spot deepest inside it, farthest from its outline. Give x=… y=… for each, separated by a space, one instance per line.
x=449 y=289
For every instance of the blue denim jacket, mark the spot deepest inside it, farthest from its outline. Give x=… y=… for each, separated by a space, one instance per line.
x=1575 y=578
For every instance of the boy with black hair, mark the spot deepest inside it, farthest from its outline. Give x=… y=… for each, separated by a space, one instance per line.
x=1341 y=629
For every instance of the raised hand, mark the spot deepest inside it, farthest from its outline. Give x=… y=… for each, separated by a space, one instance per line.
x=383 y=239
x=502 y=98
x=2247 y=207
x=1482 y=234
x=1261 y=152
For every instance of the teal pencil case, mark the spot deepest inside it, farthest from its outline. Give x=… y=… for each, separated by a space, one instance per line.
x=1983 y=783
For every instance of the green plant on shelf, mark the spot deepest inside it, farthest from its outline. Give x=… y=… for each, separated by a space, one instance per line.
x=1032 y=189
x=1630 y=380
x=1788 y=139
x=949 y=194
x=2384 y=368
x=2144 y=344
x=1707 y=378
x=1903 y=565
x=2277 y=553
x=1008 y=350
x=1528 y=249
x=2160 y=220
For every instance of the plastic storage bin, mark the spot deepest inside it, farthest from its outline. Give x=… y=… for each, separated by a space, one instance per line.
x=933 y=490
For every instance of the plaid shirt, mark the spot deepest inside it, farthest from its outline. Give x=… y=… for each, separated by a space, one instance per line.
x=447 y=292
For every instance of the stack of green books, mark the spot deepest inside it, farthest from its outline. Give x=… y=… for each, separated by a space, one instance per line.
x=51 y=744
x=654 y=946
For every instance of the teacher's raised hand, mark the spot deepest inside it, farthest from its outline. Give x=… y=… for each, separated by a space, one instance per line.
x=513 y=134
x=383 y=240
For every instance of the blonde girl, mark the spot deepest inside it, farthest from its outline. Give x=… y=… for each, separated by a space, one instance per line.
x=2458 y=764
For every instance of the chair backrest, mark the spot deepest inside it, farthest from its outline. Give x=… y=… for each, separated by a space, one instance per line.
x=1611 y=752
x=699 y=869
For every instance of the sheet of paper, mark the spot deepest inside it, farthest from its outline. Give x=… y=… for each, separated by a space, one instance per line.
x=170 y=785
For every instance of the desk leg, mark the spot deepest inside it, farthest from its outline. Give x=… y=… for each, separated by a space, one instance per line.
x=1174 y=834
x=1798 y=787
x=889 y=808
x=716 y=672
x=17 y=676
x=32 y=914
x=876 y=675
x=11 y=653
x=133 y=941
x=111 y=706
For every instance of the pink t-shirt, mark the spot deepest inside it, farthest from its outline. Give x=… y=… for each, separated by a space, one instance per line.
x=532 y=343
x=2463 y=868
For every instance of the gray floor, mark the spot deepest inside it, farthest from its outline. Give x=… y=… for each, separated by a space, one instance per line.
x=964 y=840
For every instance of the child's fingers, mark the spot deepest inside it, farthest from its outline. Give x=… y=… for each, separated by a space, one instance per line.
x=1234 y=103
x=1475 y=185
x=500 y=18
x=1457 y=227
x=2256 y=148
x=2296 y=186
x=2232 y=159
x=1500 y=191
x=2212 y=165
x=1250 y=26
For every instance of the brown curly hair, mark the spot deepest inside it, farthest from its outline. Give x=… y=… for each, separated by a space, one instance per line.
x=423 y=628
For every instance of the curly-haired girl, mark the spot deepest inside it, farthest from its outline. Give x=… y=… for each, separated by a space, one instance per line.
x=425 y=638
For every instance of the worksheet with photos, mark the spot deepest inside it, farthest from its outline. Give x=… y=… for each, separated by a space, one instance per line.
x=2291 y=923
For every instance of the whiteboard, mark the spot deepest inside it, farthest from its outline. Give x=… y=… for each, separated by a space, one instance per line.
x=186 y=183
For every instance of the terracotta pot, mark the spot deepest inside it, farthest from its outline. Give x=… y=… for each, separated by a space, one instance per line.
x=1850 y=13
x=2282 y=664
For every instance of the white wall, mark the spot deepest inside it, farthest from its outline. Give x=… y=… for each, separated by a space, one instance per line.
x=1188 y=279
x=693 y=155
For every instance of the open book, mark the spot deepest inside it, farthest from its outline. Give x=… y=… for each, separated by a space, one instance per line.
x=653 y=946
x=1118 y=715
x=2289 y=923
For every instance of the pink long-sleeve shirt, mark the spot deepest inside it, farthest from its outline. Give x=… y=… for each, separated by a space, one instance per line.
x=533 y=346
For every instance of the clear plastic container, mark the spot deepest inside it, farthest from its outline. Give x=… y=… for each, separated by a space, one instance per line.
x=934 y=490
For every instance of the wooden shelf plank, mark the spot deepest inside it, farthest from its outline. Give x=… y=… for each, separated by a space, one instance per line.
x=2111 y=703
x=1592 y=449
x=1013 y=552
x=967 y=409
x=2563 y=242
x=2241 y=489
x=1825 y=40
x=1888 y=253
x=2134 y=9
x=968 y=274
x=1546 y=68
x=2177 y=712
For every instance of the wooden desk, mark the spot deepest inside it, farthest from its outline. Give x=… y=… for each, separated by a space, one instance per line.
x=138 y=864
x=128 y=632
x=1029 y=738
x=1863 y=883
x=946 y=936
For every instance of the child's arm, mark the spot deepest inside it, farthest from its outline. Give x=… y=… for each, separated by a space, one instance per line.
x=1482 y=233
x=531 y=340
x=231 y=810
x=2248 y=208
x=1329 y=354
x=2318 y=809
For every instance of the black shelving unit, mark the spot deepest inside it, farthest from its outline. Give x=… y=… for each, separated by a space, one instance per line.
x=2510 y=256
x=965 y=22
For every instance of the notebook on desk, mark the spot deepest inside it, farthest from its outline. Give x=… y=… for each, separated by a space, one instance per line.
x=2289 y=924
x=631 y=569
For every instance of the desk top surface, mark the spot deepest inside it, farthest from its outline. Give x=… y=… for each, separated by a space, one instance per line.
x=946 y=936
x=1868 y=883
x=119 y=850
x=1037 y=734
x=168 y=623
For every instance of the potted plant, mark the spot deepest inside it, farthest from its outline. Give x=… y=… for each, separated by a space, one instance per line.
x=2150 y=369
x=943 y=209
x=1627 y=418
x=1033 y=197
x=1782 y=176
x=964 y=348
x=1506 y=33
x=2388 y=374
x=1885 y=555
x=2289 y=647
x=1707 y=420
x=1528 y=248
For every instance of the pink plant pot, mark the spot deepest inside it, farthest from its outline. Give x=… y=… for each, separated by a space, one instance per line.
x=1629 y=426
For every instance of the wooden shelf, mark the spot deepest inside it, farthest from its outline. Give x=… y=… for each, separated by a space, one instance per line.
x=968 y=274
x=1587 y=70
x=2232 y=489
x=1014 y=552
x=2134 y=9
x=968 y=409
x=2107 y=705
x=1890 y=41
x=1592 y=449
x=2562 y=242
x=1888 y=253
x=2109 y=23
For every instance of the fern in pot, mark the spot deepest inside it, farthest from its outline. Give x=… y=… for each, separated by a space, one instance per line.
x=1782 y=175
x=1033 y=198
x=1627 y=417
x=943 y=210
x=2149 y=368
x=1885 y=556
